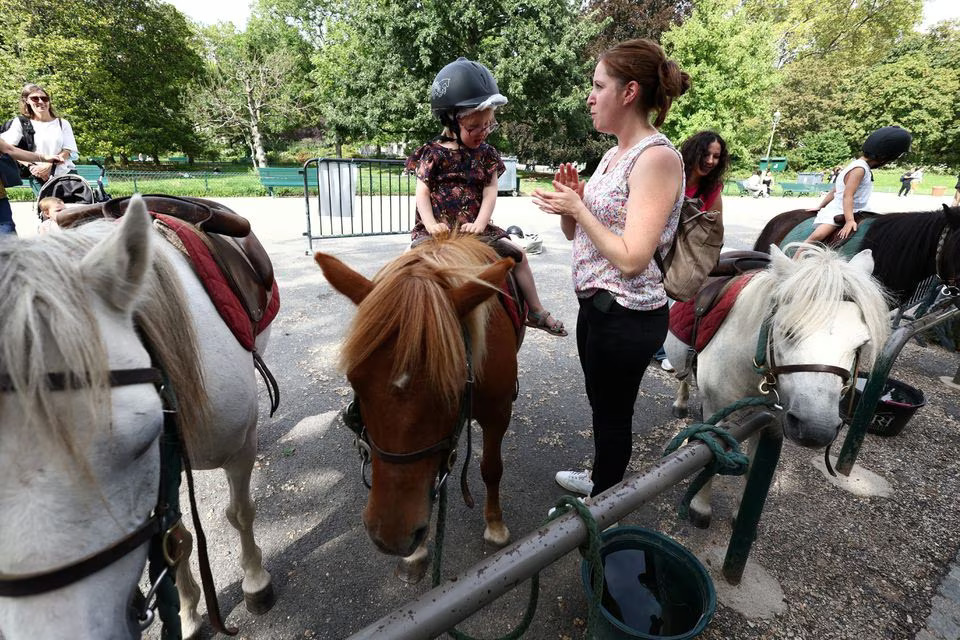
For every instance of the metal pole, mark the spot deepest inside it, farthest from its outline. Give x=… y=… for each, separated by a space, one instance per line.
x=762 y=467
x=776 y=119
x=873 y=389
x=443 y=607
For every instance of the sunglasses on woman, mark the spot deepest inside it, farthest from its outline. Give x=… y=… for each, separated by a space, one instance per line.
x=39 y=99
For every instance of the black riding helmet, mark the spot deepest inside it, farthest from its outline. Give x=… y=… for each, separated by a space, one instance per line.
x=887 y=144
x=460 y=86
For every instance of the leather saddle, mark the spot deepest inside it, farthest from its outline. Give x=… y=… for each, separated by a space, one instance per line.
x=232 y=244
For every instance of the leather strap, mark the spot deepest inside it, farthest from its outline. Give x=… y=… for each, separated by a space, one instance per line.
x=31 y=584
x=64 y=381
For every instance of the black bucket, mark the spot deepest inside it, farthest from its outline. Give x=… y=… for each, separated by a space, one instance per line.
x=896 y=406
x=654 y=588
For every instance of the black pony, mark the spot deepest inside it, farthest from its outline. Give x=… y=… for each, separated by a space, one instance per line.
x=907 y=247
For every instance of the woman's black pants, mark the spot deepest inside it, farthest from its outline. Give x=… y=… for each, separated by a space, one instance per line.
x=615 y=345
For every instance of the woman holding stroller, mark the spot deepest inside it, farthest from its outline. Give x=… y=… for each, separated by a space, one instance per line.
x=51 y=135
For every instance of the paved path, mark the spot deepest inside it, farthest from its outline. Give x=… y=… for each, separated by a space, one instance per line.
x=307 y=491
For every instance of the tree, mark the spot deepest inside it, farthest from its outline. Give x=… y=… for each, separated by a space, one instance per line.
x=848 y=32
x=730 y=58
x=253 y=85
x=820 y=150
x=628 y=19
x=119 y=71
x=379 y=57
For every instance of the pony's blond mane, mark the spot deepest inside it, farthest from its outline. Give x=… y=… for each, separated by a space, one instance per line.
x=809 y=294
x=409 y=309
x=47 y=310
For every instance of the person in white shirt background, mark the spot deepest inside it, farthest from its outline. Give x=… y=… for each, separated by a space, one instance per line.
x=53 y=135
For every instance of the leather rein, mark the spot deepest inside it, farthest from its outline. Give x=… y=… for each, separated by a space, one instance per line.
x=163 y=529
x=368 y=449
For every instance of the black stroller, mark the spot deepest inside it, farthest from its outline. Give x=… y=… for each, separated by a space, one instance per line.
x=72 y=189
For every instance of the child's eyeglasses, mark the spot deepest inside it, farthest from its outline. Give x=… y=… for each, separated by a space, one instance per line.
x=39 y=99
x=482 y=128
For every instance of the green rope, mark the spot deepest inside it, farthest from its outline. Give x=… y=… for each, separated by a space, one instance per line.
x=438 y=555
x=591 y=552
x=727 y=458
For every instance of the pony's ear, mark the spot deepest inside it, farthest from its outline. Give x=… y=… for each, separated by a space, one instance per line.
x=953 y=215
x=343 y=278
x=780 y=262
x=117 y=266
x=863 y=261
x=468 y=295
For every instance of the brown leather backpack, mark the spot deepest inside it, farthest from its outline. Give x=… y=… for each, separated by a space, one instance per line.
x=694 y=253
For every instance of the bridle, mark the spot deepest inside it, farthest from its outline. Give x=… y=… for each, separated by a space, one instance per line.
x=163 y=529
x=163 y=522
x=764 y=363
x=368 y=449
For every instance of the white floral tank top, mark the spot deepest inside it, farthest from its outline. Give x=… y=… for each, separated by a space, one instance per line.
x=606 y=197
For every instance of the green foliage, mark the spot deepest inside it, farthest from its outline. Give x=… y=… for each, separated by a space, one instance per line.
x=820 y=150
x=253 y=86
x=119 y=71
x=379 y=58
x=627 y=19
x=729 y=55
x=848 y=33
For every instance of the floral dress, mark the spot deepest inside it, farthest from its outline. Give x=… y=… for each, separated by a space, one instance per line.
x=456 y=179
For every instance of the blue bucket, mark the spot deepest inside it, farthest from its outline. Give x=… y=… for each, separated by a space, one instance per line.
x=654 y=588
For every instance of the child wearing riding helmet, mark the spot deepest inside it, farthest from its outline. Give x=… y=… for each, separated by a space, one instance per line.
x=457 y=173
x=854 y=184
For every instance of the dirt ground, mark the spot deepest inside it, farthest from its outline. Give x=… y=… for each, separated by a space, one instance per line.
x=848 y=567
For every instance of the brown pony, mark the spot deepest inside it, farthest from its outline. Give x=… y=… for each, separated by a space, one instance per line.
x=405 y=356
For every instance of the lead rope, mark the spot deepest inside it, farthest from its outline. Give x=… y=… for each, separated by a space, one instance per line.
x=727 y=460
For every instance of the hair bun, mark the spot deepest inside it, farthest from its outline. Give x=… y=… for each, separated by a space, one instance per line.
x=673 y=81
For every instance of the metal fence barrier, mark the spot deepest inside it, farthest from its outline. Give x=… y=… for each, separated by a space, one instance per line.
x=357 y=197
x=441 y=608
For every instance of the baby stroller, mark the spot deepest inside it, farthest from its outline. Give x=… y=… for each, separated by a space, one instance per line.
x=72 y=189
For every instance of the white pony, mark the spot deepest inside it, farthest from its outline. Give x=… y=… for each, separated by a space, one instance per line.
x=79 y=467
x=821 y=311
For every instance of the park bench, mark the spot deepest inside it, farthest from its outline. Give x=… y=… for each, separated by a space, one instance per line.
x=271 y=177
x=803 y=188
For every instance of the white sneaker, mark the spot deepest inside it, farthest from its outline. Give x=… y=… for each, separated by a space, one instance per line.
x=575 y=481
x=666 y=366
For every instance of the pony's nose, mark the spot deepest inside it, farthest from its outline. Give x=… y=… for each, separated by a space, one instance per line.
x=808 y=435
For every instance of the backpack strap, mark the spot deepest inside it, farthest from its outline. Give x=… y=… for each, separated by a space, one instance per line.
x=27 y=134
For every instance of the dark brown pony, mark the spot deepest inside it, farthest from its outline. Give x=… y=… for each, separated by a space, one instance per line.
x=907 y=247
x=405 y=356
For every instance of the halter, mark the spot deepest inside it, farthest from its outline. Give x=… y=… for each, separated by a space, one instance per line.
x=368 y=449
x=769 y=381
x=163 y=529
x=163 y=522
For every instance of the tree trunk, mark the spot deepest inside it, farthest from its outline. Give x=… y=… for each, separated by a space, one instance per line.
x=339 y=146
x=256 y=140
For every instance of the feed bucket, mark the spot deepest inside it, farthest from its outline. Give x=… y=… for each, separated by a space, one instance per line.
x=894 y=409
x=653 y=587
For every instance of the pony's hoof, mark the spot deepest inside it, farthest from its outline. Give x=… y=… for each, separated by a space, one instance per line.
x=498 y=535
x=261 y=601
x=699 y=520
x=680 y=412
x=191 y=628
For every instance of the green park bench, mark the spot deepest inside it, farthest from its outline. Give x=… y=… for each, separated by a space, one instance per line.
x=803 y=188
x=271 y=177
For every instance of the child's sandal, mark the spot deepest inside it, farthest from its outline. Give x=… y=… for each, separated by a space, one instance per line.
x=545 y=321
